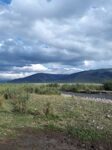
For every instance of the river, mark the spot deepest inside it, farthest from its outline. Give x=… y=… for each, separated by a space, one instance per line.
x=103 y=96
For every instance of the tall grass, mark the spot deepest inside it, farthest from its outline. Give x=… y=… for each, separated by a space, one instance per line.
x=24 y=106
x=19 y=102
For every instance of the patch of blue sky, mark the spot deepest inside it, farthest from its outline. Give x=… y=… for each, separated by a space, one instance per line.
x=5 y=1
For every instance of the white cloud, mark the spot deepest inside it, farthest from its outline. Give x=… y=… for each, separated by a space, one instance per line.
x=10 y=75
x=32 y=68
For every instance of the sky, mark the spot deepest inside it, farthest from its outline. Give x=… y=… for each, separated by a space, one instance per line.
x=54 y=36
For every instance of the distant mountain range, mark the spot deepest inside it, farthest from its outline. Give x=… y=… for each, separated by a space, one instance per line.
x=3 y=80
x=91 y=76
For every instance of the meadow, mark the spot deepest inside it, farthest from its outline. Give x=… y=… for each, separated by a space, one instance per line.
x=43 y=108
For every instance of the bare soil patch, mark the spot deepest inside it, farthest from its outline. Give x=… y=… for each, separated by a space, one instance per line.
x=29 y=139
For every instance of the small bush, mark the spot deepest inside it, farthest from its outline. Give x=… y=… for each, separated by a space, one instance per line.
x=69 y=88
x=1 y=101
x=20 y=103
x=47 y=109
x=81 y=87
x=29 y=89
x=8 y=94
x=56 y=85
x=108 y=85
x=45 y=89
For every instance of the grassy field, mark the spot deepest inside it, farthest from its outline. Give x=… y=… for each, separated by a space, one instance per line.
x=26 y=106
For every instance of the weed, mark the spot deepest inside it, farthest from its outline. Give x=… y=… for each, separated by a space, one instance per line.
x=20 y=103
x=47 y=109
x=1 y=101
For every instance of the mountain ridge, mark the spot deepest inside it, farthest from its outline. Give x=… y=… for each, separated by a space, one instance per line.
x=92 y=76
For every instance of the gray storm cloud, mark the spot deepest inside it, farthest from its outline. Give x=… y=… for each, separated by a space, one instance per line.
x=70 y=35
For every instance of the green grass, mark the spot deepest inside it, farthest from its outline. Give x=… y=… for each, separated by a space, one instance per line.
x=84 y=119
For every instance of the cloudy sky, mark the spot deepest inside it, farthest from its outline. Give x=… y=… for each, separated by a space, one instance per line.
x=54 y=36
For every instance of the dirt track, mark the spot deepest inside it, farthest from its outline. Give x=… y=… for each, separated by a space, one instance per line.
x=31 y=140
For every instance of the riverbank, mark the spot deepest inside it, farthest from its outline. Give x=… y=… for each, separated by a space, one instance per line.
x=86 y=98
x=102 y=95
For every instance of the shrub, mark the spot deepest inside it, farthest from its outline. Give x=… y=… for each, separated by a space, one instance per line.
x=47 y=110
x=1 y=101
x=19 y=102
x=46 y=89
x=29 y=89
x=108 y=85
x=8 y=94
x=56 y=85
x=69 y=88
x=80 y=87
